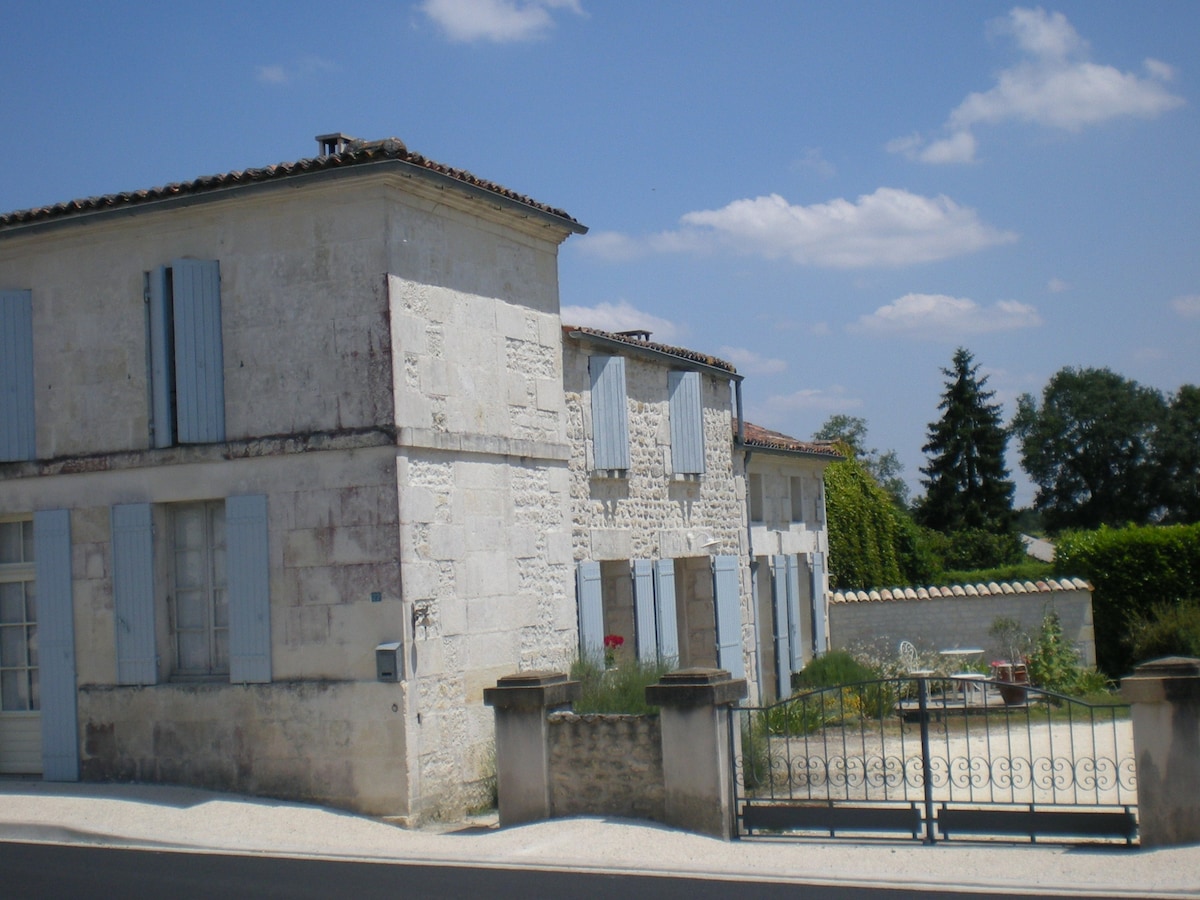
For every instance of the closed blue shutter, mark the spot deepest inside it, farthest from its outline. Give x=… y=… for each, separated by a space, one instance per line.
x=817 y=564
x=162 y=375
x=687 y=423
x=643 y=611
x=664 y=611
x=199 y=357
x=133 y=593
x=247 y=568
x=56 y=645
x=590 y=599
x=795 y=626
x=783 y=654
x=610 y=415
x=727 y=593
x=16 y=376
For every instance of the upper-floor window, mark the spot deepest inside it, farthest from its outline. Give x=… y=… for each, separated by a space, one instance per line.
x=16 y=376
x=796 y=489
x=610 y=414
x=687 y=423
x=187 y=378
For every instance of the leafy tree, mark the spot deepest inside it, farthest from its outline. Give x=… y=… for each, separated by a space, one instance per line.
x=967 y=487
x=1179 y=455
x=885 y=467
x=1090 y=448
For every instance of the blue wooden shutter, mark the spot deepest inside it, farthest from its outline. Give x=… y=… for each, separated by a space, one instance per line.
x=199 y=357
x=133 y=593
x=162 y=373
x=817 y=566
x=247 y=576
x=610 y=415
x=17 y=435
x=795 y=626
x=56 y=645
x=783 y=654
x=727 y=593
x=687 y=423
x=664 y=611
x=589 y=597
x=643 y=611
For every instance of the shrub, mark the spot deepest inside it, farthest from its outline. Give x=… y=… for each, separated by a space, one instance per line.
x=1054 y=665
x=837 y=667
x=1167 y=629
x=620 y=690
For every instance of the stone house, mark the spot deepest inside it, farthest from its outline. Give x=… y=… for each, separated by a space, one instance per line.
x=256 y=426
x=295 y=461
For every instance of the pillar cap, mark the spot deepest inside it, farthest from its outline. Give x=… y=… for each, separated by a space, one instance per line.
x=531 y=690
x=1174 y=679
x=696 y=687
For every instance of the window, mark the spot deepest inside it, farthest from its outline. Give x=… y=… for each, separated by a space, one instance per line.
x=215 y=572
x=687 y=423
x=796 y=486
x=187 y=381
x=610 y=414
x=200 y=621
x=754 y=487
x=18 y=619
x=16 y=376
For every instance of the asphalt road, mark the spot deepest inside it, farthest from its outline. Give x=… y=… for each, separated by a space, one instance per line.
x=37 y=871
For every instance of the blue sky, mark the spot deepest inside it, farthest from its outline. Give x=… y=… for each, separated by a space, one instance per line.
x=833 y=196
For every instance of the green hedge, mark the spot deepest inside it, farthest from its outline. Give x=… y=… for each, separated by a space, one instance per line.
x=1133 y=570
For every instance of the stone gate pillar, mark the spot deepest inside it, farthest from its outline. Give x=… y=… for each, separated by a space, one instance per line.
x=1165 y=698
x=520 y=703
x=694 y=715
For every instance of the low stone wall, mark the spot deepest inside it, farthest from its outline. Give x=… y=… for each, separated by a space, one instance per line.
x=606 y=765
x=946 y=618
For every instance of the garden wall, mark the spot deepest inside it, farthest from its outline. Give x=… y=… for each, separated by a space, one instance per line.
x=947 y=618
x=608 y=765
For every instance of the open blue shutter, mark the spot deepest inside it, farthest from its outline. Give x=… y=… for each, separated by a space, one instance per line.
x=795 y=626
x=133 y=593
x=590 y=599
x=162 y=376
x=727 y=593
x=643 y=611
x=247 y=567
x=610 y=416
x=664 y=611
x=17 y=436
x=199 y=357
x=56 y=645
x=817 y=565
x=687 y=423
x=783 y=654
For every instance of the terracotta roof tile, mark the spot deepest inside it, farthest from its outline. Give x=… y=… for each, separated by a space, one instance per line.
x=356 y=153
x=757 y=436
x=689 y=355
x=961 y=590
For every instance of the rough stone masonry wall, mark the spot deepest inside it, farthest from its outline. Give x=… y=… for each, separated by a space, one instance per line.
x=606 y=765
x=944 y=623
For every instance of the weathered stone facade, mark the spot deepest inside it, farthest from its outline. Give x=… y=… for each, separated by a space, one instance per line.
x=607 y=764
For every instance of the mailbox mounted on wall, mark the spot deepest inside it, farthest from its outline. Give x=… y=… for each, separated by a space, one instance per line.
x=389 y=661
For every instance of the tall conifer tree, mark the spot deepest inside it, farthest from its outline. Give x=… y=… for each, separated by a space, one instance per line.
x=967 y=484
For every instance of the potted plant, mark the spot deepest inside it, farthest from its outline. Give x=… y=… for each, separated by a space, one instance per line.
x=1011 y=673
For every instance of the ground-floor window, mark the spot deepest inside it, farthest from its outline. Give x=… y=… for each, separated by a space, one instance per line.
x=200 y=623
x=18 y=619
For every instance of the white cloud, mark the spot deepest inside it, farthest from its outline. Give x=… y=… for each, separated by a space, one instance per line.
x=288 y=74
x=622 y=316
x=890 y=227
x=1057 y=286
x=813 y=161
x=498 y=21
x=747 y=362
x=1188 y=307
x=1053 y=85
x=775 y=407
x=938 y=317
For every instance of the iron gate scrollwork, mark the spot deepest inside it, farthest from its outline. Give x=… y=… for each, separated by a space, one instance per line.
x=935 y=757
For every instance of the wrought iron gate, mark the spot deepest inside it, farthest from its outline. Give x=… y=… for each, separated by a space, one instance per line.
x=935 y=758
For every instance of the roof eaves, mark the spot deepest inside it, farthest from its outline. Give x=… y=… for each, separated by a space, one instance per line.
x=654 y=350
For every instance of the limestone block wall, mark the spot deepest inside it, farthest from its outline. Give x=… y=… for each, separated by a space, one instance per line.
x=606 y=765
x=334 y=743
x=779 y=531
x=485 y=552
x=958 y=619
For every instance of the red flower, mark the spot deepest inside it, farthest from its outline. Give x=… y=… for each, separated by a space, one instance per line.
x=613 y=641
